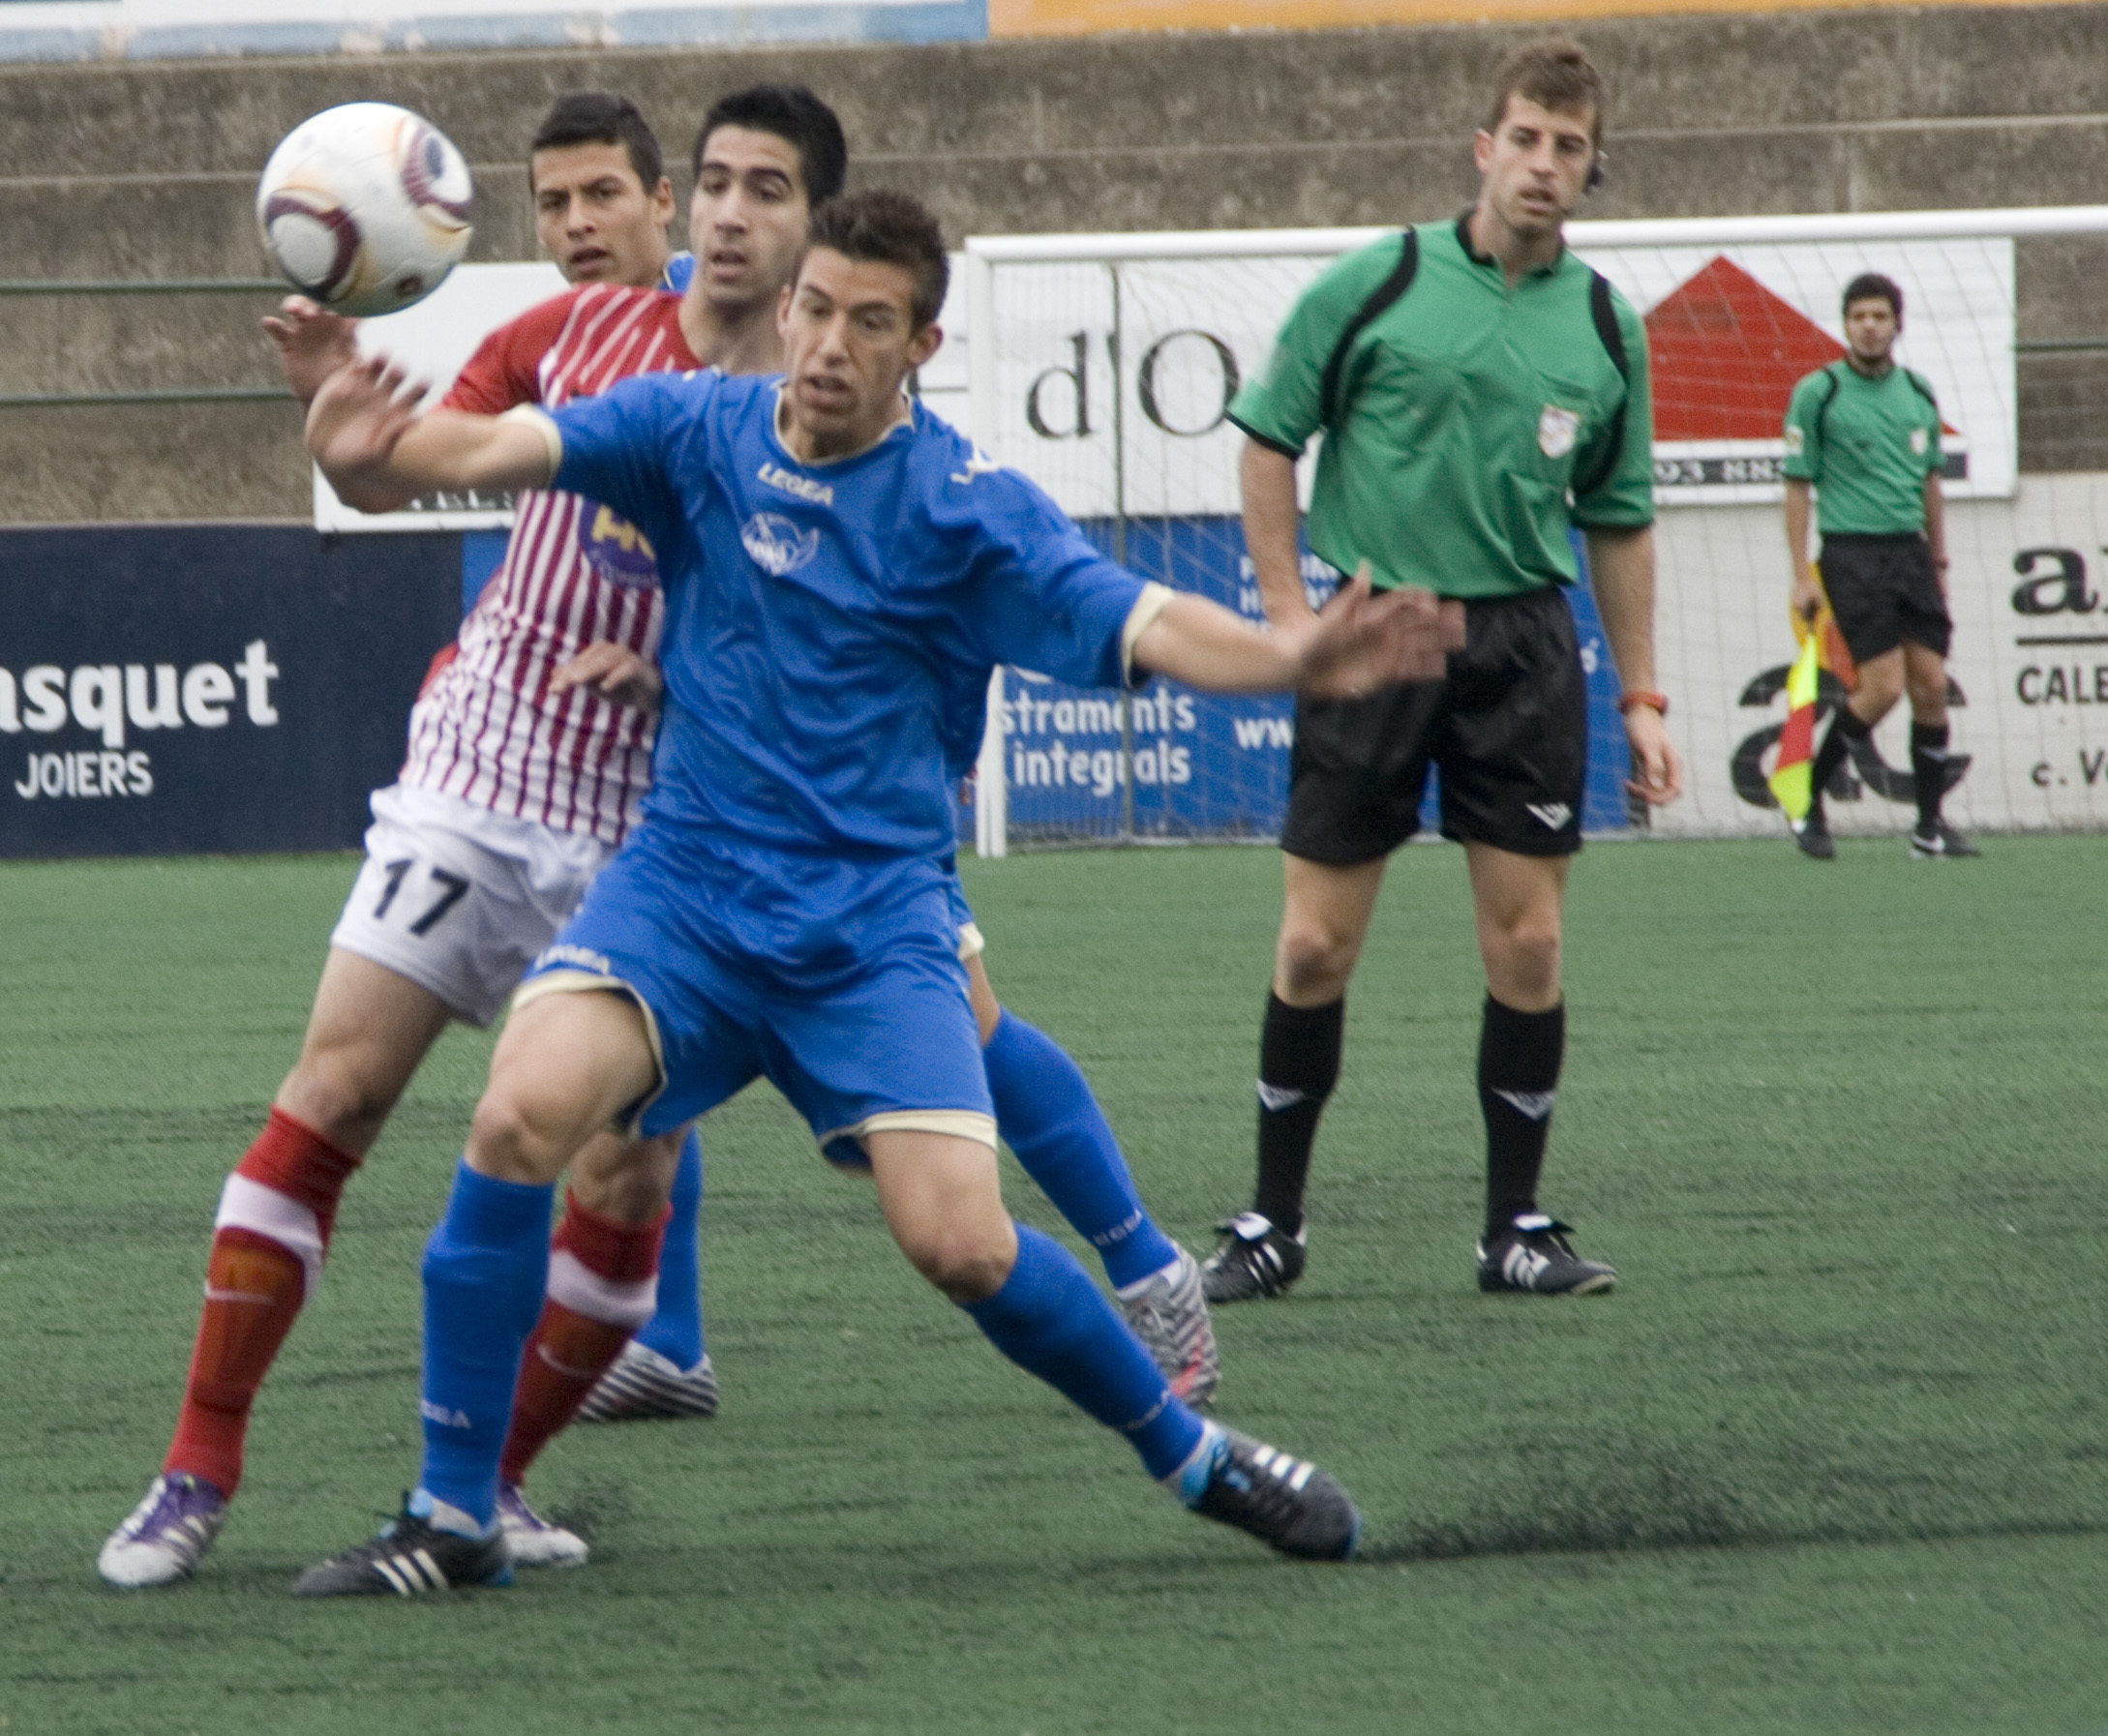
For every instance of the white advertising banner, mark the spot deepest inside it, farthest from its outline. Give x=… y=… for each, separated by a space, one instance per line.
x=436 y=337
x=2028 y=671
x=1730 y=329
x=434 y=340
x=1112 y=382
x=1113 y=379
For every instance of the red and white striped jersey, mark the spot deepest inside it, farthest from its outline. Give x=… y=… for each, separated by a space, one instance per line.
x=487 y=729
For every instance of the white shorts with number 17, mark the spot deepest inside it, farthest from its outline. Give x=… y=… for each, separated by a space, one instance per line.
x=460 y=900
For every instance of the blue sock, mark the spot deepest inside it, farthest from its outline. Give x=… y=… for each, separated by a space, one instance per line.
x=675 y=1330
x=1190 y=1482
x=484 y=1266
x=1046 y=1111
x=1052 y=1321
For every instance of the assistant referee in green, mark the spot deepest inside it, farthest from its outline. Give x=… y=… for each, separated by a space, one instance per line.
x=1481 y=392
x=1865 y=433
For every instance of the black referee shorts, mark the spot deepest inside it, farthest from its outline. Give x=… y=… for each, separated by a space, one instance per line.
x=1507 y=727
x=1884 y=590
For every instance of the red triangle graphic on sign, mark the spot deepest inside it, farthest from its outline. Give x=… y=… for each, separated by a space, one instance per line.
x=1726 y=354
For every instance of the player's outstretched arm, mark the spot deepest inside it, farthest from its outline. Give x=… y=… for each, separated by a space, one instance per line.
x=378 y=452
x=1360 y=642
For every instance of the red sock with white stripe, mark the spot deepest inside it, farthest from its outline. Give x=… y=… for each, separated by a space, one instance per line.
x=603 y=1285
x=268 y=1243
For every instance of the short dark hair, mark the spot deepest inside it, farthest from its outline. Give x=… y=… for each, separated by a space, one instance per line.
x=893 y=229
x=601 y=117
x=797 y=117
x=1554 y=73
x=1871 y=286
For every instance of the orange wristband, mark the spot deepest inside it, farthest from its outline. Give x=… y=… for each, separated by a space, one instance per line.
x=1658 y=703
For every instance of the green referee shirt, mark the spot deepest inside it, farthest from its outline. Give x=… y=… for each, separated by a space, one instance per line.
x=1867 y=445
x=1466 y=412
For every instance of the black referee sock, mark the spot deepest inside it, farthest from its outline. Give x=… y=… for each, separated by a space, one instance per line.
x=1845 y=729
x=1929 y=768
x=1299 y=1063
x=1519 y=1076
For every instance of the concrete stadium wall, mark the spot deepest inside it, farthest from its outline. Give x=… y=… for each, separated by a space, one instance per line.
x=145 y=169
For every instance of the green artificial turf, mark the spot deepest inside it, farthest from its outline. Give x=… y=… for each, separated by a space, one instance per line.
x=1834 y=1458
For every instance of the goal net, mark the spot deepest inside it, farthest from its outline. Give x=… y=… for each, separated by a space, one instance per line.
x=1102 y=367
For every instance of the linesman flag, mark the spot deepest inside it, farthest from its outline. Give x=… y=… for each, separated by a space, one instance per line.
x=1822 y=647
x=1790 y=777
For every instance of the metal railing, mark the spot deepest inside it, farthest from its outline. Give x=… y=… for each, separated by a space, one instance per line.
x=165 y=395
x=141 y=286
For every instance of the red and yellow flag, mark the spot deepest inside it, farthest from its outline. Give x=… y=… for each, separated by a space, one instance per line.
x=1822 y=647
x=1790 y=777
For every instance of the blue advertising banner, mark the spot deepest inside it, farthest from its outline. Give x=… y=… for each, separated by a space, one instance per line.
x=208 y=688
x=1205 y=766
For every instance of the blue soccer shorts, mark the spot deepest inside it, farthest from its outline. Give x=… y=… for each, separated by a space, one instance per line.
x=886 y=1043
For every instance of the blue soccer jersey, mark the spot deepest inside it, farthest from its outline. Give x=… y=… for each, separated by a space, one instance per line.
x=830 y=627
x=788 y=905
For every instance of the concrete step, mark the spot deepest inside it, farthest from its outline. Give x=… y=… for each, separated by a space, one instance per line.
x=201 y=224
x=1854 y=68
x=2061 y=423
x=234 y=460
x=135 y=342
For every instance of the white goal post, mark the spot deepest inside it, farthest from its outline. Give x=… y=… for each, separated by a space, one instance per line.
x=1100 y=365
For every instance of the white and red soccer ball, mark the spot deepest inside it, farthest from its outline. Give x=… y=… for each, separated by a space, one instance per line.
x=365 y=208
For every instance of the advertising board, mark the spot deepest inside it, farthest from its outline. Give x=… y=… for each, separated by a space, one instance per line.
x=167 y=689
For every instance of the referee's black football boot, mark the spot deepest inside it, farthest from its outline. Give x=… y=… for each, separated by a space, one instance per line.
x=1253 y=1260
x=1941 y=841
x=1812 y=833
x=1282 y=1499
x=1533 y=1254
x=411 y=1557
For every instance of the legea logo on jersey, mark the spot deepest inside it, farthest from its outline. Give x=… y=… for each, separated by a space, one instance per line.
x=790 y=483
x=776 y=544
x=617 y=550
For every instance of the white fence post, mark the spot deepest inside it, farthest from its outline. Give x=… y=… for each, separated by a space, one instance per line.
x=991 y=788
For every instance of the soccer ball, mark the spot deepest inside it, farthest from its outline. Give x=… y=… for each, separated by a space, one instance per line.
x=365 y=208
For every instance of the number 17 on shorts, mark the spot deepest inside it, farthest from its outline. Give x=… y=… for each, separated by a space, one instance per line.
x=460 y=918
